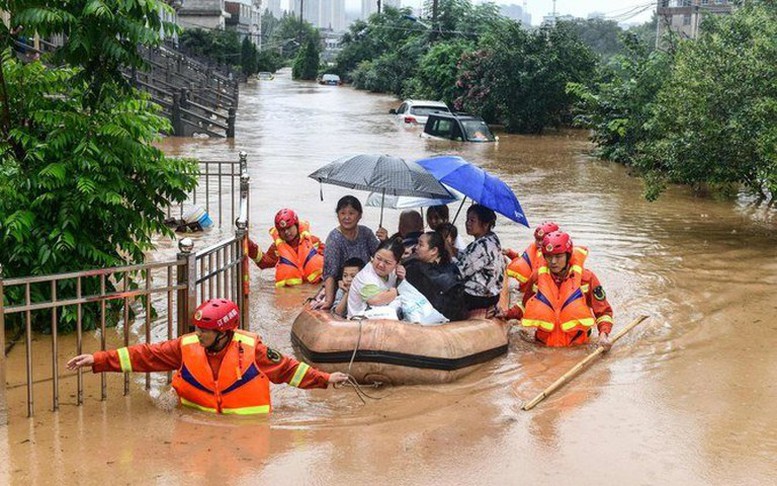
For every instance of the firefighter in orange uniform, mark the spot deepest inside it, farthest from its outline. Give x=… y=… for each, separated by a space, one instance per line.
x=524 y=264
x=296 y=255
x=563 y=299
x=220 y=369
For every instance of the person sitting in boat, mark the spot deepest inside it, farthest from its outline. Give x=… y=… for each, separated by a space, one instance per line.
x=410 y=227
x=450 y=235
x=482 y=264
x=220 y=369
x=522 y=265
x=348 y=240
x=351 y=268
x=564 y=300
x=376 y=284
x=438 y=217
x=296 y=254
x=432 y=272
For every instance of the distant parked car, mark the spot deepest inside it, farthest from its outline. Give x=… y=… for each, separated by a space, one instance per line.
x=457 y=126
x=417 y=111
x=330 y=80
x=266 y=76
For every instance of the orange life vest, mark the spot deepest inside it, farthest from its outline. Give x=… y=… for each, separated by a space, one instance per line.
x=521 y=268
x=241 y=388
x=302 y=264
x=560 y=313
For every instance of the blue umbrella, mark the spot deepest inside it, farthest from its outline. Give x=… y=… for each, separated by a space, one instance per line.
x=476 y=184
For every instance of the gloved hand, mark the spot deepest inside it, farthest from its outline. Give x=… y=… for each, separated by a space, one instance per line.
x=253 y=249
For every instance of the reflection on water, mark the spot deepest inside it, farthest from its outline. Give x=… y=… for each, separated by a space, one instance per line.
x=687 y=396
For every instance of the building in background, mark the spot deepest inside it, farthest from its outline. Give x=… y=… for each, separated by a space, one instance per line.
x=370 y=7
x=274 y=7
x=517 y=13
x=202 y=14
x=684 y=16
x=323 y=14
x=244 y=18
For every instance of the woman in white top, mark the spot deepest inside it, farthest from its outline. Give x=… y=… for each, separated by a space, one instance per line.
x=376 y=283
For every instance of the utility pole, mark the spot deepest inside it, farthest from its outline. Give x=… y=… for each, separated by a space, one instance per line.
x=301 y=20
x=554 y=12
x=378 y=7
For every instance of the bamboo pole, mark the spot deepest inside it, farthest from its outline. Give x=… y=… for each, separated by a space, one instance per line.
x=579 y=366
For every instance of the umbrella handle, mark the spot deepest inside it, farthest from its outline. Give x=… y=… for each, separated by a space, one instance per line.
x=459 y=210
x=382 y=200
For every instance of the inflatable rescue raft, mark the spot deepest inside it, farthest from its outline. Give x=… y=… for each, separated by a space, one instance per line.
x=397 y=352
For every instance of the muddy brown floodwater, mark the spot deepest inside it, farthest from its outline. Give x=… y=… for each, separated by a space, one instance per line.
x=689 y=397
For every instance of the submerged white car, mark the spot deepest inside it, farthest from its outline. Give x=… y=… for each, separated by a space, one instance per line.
x=415 y=112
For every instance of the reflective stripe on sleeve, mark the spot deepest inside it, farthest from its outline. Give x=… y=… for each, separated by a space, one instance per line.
x=124 y=360
x=190 y=339
x=302 y=370
x=604 y=318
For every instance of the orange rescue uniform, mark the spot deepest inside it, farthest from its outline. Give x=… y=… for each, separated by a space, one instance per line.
x=233 y=380
x=295 y=263
x=523 y=265
x=564 y=309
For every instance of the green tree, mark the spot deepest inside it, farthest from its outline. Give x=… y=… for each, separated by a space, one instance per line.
x=618 y=106
x=307 y=61
x=519 y=78
x=268 y=60
x=714 y=118
x=438 y=71
x=601 y=36
x=81 y=183
x=221 y=46
x=248 y=60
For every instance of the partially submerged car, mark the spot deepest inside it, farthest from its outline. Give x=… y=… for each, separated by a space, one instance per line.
x=461 y=127
x=265 y=76
x=330 y=80
x=416 y=112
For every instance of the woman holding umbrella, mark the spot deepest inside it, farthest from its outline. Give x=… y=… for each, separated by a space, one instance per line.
x=348 y=240
x=481 y=264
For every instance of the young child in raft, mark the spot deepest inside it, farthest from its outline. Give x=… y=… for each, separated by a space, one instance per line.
x=351 y=267
x=376 y=284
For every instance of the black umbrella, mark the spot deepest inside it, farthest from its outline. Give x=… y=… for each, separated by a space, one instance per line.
x=381 y=173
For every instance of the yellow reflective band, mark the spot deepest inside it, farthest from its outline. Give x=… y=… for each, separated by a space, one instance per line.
x=521 y=306
x=587 y=322
x=246 y=410
x=198 y=407
x=304 y=234
x=279 y=242
x=605 y=318
x=548 y=326
x=244 y=339
x=543 y=270
x=124 y=360
x=582 y=250
x=584 y=288
x=289 y=282
x=576 y=268
x=189 y=339
x=534 y=288
x=302 y=370
x=517 y=276
x=313 y=276
x=259 y=255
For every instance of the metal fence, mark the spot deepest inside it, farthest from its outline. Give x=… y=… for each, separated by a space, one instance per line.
x=148 y=302
x=217 y=190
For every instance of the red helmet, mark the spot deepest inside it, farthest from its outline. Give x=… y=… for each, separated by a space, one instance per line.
x=556 y=243
x=217 y=314
x=544 y=229
x=285 y=218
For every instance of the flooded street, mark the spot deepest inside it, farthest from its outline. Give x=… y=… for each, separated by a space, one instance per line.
x=689 y=396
